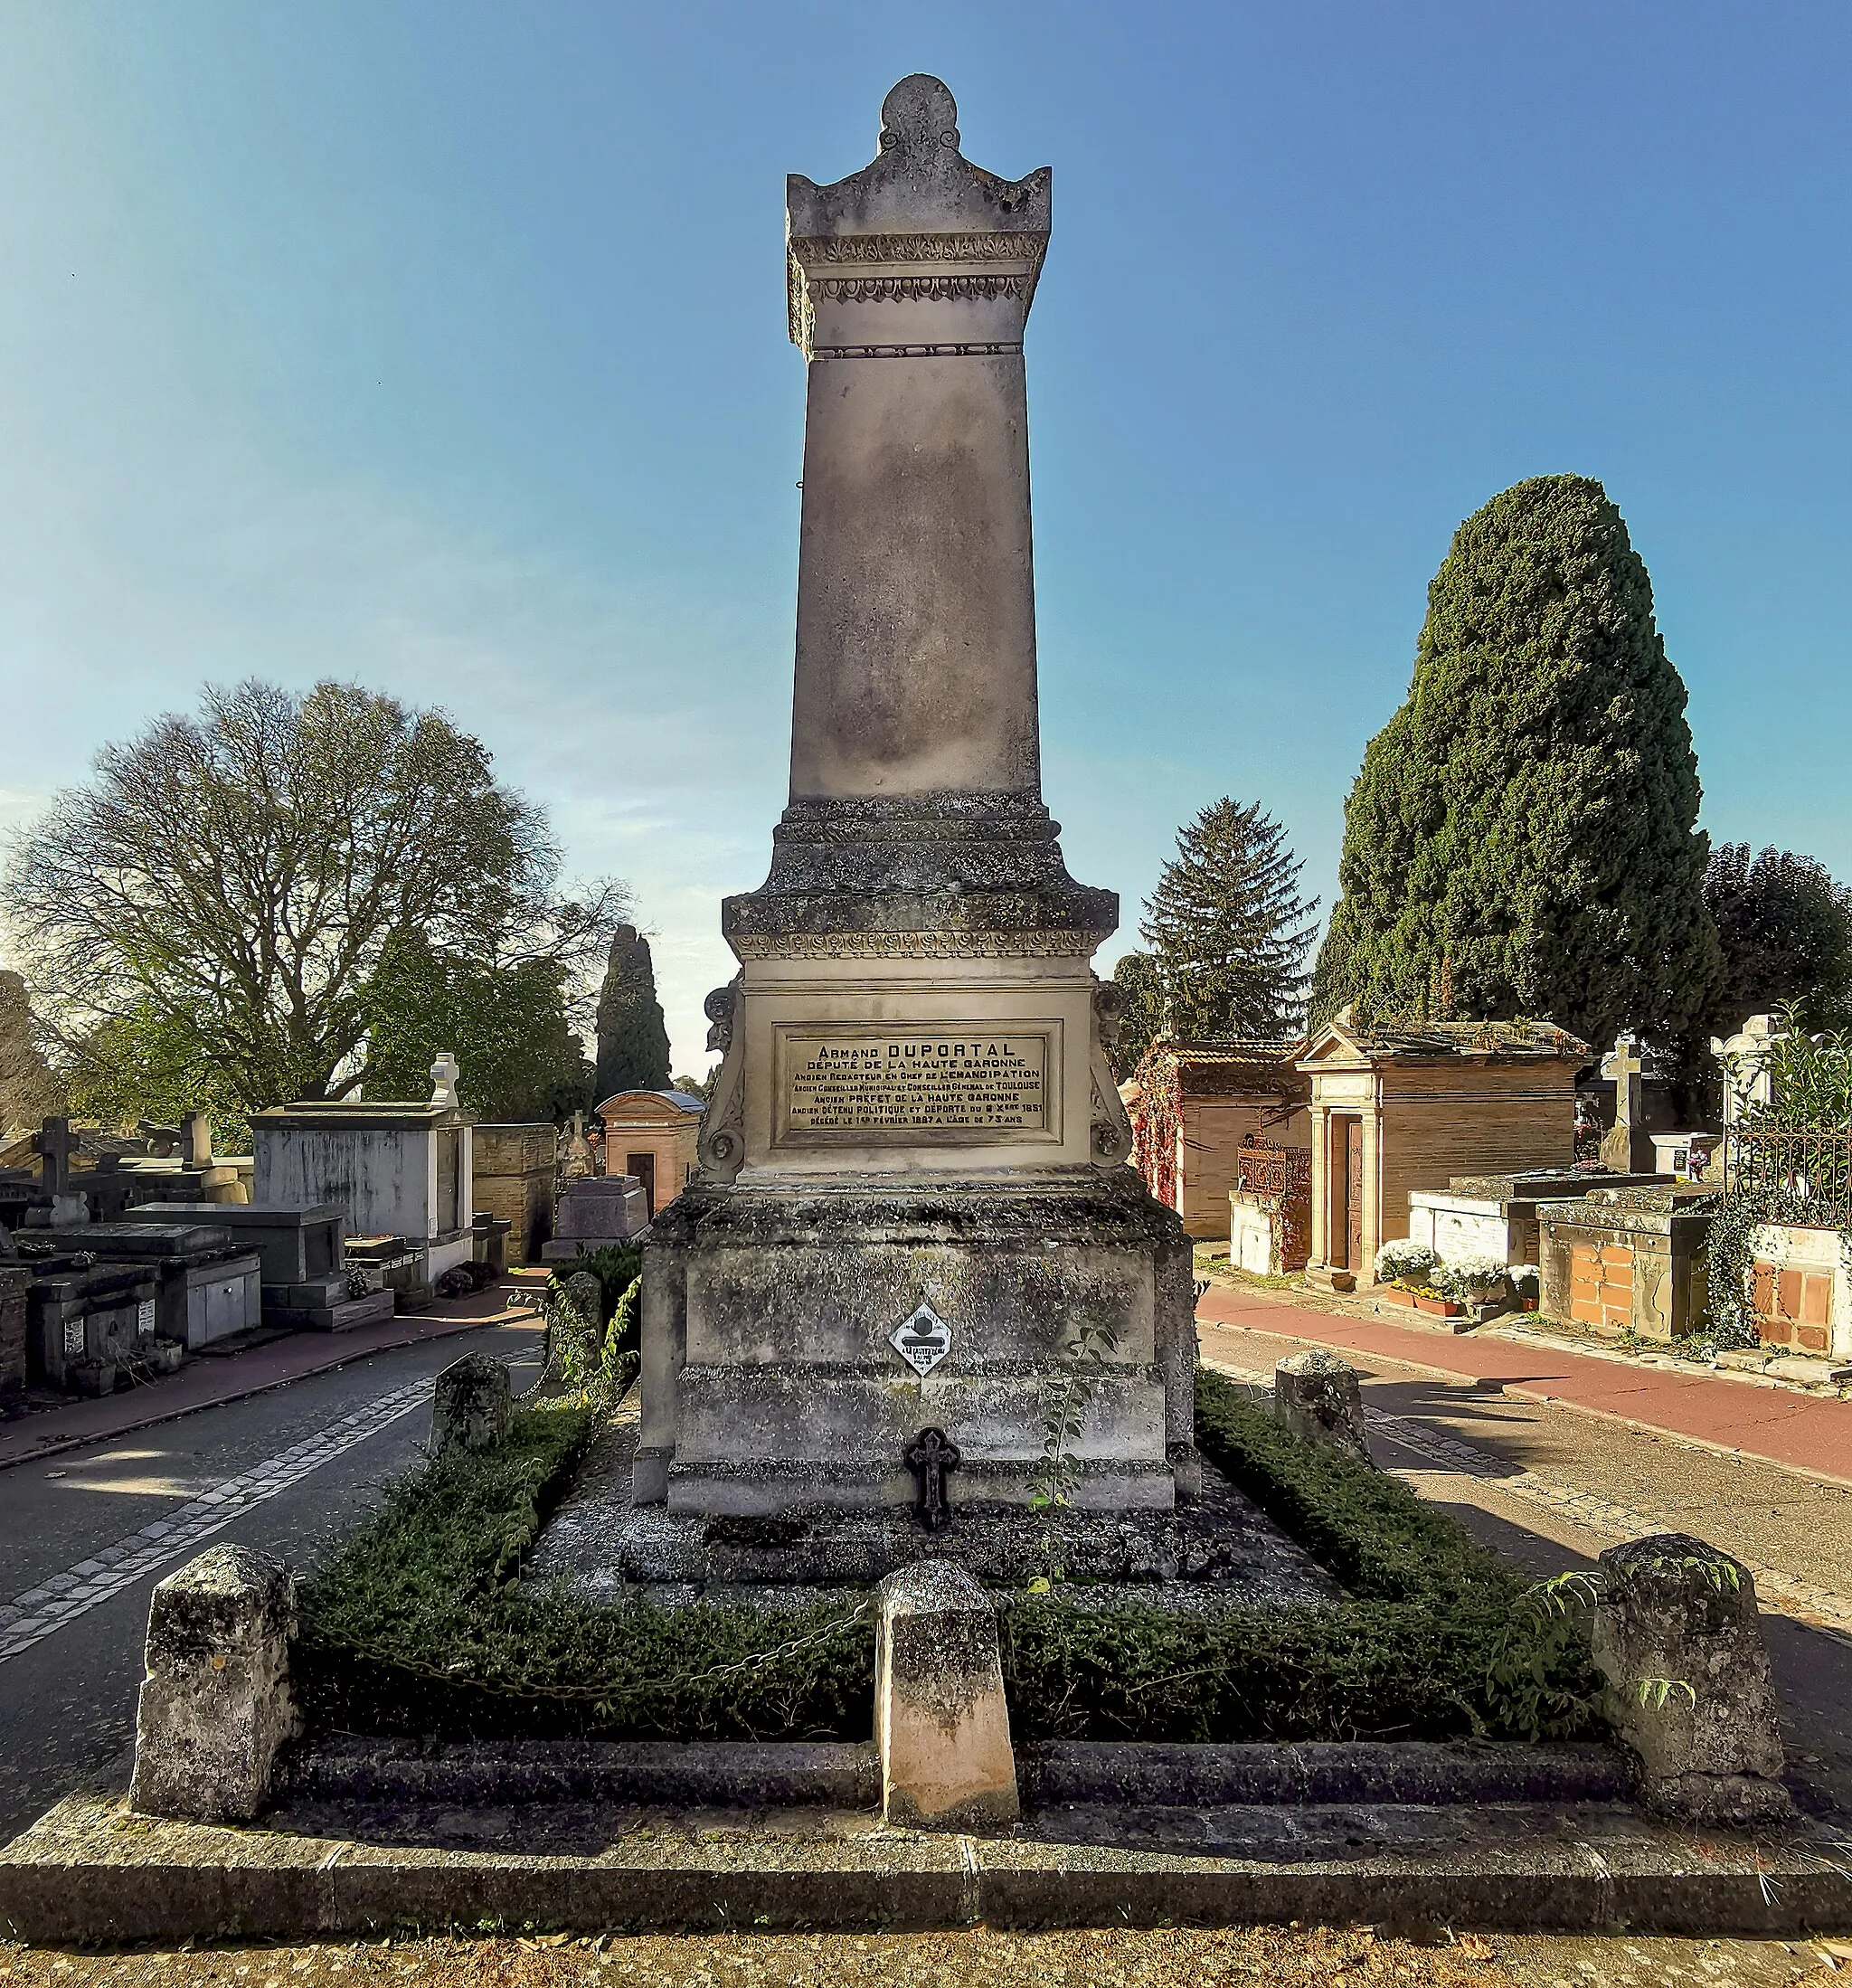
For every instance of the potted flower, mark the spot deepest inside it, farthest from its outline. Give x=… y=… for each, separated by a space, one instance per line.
x=1405 y=1271
x=1472 y=1280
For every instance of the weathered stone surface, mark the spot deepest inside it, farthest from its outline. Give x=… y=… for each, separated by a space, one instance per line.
x=215 y=1704
x=1319 y=1399
x=940 y=1718
x=1677 y=1638
x=472 y=1402
x=771 y=1380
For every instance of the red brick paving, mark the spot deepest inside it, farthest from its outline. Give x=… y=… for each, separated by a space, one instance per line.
x=1800 y=1431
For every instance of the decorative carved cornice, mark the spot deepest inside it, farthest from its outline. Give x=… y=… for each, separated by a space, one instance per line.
x=966 y=348
x=811 y=258
x=937 y=287
x=913 y=945
x=920 y=248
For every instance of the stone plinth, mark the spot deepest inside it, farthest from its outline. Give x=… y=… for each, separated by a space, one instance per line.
x=600 y=1209
x=16 y=1284
x=1319 y=1399
x=1677 y=1638
x=215 y=1704
x=940 y=1718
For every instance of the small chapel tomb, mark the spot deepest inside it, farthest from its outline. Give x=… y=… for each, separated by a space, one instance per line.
x=1397 y=1109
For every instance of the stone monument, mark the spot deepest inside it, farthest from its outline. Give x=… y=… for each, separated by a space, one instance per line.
x=913 y=1197
x=1628 y=1147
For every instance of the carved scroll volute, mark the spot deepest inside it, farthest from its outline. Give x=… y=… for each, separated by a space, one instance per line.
x=722 y=1146
x=1110 y=1131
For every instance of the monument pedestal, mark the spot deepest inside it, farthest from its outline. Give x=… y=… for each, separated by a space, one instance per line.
x=914 y=1275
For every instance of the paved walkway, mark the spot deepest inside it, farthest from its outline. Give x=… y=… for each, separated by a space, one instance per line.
x=1795 y=1430
x=205 y=1381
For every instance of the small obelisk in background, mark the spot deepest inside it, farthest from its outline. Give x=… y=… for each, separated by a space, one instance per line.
x=913 y=1200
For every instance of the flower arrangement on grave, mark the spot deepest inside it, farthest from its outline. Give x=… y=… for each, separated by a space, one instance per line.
x=1407 y=1263
x=1470 y=1279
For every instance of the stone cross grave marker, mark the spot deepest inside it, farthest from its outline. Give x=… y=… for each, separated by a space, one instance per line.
x=444 y=1073
x=1628 y=1148
x=930 y=1456
x=55 y=1144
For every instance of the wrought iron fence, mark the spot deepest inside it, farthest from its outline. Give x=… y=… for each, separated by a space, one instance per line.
x=1811 y=1163
x=1282 y=1171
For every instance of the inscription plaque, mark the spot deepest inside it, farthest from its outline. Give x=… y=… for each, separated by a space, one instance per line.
x=969 y=1083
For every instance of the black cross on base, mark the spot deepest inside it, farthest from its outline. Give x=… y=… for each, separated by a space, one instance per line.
x=930 y=1456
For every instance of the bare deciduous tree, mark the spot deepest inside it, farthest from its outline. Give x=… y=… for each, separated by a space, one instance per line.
x=235 y=877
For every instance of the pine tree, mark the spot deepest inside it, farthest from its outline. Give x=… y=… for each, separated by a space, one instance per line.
x=1524 y=825
x=633 y=1040
x=1136 y=975
x=1228 y=928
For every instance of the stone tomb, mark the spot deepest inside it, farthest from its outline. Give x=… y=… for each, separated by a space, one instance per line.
x=512 y=1181
x=91 y=1324
x=393 y=1170
x=1495 y=1214
x=598 y=1209
x=210 y=1284
x=302 y=1255
x=1628 y=1259
x=915 y=1107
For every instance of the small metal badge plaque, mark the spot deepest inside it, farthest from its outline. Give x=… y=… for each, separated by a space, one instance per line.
x=144 y=1317
x=923 y=1341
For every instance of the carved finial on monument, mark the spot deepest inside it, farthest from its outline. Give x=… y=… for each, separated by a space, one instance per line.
x=444 y=1073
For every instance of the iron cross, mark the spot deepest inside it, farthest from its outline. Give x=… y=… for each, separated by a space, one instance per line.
x=930 y=1456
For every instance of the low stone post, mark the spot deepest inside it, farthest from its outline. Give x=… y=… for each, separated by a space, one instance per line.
x=940 y=1718
x=584 y=1304
x=215 y=1704
x=1677 y=1638
x=471 y=1403
x=1319 y=1400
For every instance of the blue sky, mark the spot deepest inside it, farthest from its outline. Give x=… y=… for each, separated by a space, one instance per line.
x=442 y=346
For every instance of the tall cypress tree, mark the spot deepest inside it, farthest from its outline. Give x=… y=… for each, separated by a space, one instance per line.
x=633 y=1040
x=1228 y=928
x=1523 y=831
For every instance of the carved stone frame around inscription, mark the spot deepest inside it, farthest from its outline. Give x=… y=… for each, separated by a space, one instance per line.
x=793 y=1042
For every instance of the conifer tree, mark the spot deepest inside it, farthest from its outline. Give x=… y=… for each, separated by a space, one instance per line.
x=1523 y=830
x=1136 y=975
x=1228 y=928
x=1786 y=931
x=633 y=1040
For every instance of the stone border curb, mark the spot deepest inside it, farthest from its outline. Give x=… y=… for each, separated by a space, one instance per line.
x=90 y=1872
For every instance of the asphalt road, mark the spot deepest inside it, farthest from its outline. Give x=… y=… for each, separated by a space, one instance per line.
x=67 y=1702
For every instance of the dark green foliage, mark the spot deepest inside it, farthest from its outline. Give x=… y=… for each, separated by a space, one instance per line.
x=1785 y=928
x=411 y=1626
x=1137 y=974
x=1368 y=1528
x=1228 y=928
x=615 y=1265
x=507 y=1026
x=633 y=1040
x=1523 y=829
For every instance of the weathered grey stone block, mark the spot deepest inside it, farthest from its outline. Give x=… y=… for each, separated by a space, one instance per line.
x=1677 y=1638
x=581 y=1324
x=472 y=1402
x=216 y=1704
x=1319 y=1399
x=940 y=1717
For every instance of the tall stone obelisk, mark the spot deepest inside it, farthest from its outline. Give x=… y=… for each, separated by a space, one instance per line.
x=913 y=1197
